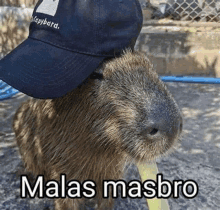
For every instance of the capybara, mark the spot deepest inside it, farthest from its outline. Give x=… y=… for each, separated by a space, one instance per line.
x=124 y=114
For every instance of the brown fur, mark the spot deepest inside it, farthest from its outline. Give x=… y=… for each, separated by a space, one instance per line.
x=94 y=130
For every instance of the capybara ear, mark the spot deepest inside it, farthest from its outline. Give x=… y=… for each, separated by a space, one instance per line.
x=92 y=132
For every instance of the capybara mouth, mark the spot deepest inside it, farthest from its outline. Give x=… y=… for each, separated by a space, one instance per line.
x=151 y=150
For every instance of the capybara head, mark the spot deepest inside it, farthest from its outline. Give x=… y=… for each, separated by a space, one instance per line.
x=90 y=133
x=147 y=120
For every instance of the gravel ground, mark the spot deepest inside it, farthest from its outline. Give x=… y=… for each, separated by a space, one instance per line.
x=197 y=157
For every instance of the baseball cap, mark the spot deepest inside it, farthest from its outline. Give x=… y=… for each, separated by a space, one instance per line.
x=68 y=40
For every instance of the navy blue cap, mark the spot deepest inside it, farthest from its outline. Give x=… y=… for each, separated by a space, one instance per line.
x=68 y=39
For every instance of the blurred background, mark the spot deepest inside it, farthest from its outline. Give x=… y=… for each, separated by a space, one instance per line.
x=182 y=36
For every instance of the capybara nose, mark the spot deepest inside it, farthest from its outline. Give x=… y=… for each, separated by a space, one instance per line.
x=165 y=124
x=161 y=128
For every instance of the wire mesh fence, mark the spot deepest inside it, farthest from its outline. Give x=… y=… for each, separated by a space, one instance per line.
x=194 y=10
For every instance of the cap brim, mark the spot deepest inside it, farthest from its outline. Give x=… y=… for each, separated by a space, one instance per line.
x=43 y=71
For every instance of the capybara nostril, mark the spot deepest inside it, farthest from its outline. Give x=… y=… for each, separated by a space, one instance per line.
x=181 y=125
x=150 y=132
x=153 y=131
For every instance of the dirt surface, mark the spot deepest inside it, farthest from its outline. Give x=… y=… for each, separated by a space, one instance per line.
x=197 y=157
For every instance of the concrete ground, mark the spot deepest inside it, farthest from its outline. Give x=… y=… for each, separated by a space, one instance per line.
x=197 y=157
